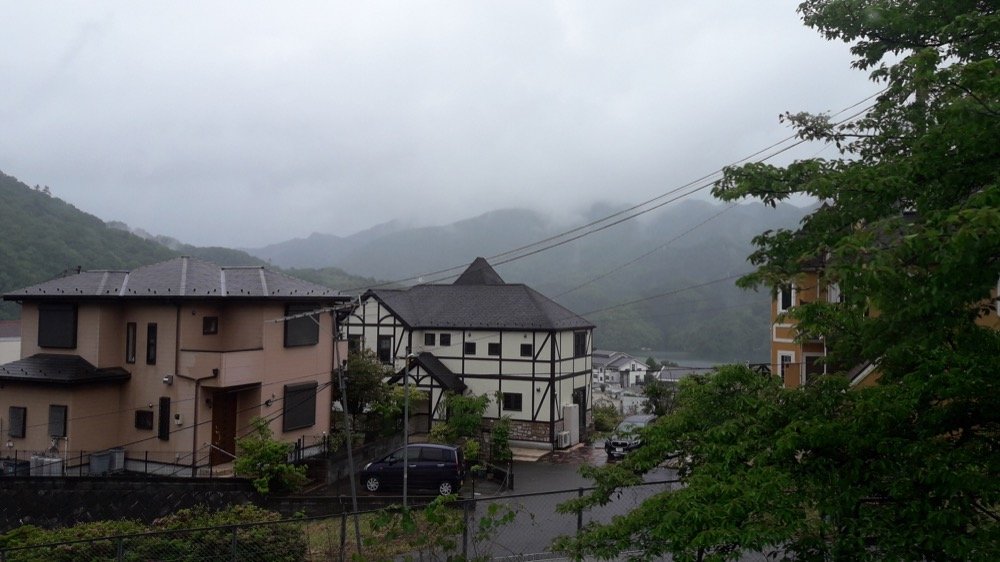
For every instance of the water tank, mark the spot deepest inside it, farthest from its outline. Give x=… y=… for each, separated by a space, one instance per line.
x=46 y=465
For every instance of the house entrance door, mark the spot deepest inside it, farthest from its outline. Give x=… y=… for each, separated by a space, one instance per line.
x=580 y=399
x=223 y=427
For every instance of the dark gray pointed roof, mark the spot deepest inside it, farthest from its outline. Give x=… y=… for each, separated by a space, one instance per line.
x=51 y=368
x=183 y=277
x=480 y=272
x=479 y=302
x=437 y=370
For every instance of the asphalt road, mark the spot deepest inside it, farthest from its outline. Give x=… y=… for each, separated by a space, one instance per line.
x=539 y=487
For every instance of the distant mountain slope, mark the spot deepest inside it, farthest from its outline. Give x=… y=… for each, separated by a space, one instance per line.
x=321 y=250
x=42 y=237
x=689 y=244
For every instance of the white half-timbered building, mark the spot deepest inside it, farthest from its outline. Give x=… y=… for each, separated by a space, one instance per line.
x=481 y=335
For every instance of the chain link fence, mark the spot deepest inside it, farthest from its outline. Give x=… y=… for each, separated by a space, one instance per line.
x=483 y=527
x=514 y=527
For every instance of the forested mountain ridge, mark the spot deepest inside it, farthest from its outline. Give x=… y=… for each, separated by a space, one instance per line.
x=43 y=237
x=677 y=249
x=675 y=266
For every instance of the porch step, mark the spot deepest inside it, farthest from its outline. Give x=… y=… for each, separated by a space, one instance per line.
x=528 y=454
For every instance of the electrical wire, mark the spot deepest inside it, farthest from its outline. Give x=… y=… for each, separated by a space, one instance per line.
x=626 y=214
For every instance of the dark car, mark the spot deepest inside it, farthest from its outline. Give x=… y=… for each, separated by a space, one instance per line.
x=430 y=467
x=627 y=435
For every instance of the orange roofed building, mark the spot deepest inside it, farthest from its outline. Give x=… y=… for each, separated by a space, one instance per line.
x=170 y=363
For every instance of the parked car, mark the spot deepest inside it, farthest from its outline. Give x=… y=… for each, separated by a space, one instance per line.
x=628 y=435
x=431 y=467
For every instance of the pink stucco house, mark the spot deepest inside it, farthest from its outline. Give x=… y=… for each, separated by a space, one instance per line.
x=169 y=362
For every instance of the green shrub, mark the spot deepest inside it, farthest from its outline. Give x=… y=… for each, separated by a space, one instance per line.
x=210 y=539
x=264 y=460
x=606 y=417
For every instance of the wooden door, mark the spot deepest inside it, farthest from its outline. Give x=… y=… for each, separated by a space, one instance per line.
x=223 y=427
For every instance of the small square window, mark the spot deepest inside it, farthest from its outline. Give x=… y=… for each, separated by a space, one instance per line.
x=512 y=401
x=299 y=406
x=429 y=339
x=210 y=325
x=579 y=344
x=384 y=349
x=786 y=298
x=470 y=348
x=151 y=343
x=527 y=350
x=354 y=343
x=144 y=419
x=18 y=419
x=302 y=329
x=57 y=325
x=445 y=339
x=493 y=349
x=57 y=420
x=130 y=331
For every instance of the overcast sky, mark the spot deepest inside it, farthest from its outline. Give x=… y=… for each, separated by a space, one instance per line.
x=242 y=124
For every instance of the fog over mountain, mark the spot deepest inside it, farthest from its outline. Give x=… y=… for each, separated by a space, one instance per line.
x=695 y=249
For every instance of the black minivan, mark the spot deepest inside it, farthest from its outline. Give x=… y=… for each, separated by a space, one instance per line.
x=431 y=467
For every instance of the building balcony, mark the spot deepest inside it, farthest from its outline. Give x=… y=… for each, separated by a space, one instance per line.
x=235 y=368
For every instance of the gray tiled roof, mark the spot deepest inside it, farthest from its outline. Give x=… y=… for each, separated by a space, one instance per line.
x=180 y=277
x=59 y=369
x=488 y=305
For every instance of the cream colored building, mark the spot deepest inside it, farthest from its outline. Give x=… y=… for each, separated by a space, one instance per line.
x=169 y=362
x=481 y=335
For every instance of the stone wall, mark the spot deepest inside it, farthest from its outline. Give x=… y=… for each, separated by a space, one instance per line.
x=59 y=501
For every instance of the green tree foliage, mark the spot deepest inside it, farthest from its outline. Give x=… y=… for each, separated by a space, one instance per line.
x=465 y=418
x=43 y=237
x=283 y=542
x=375 y=406
x=909 y=228
x=606 y=417
x=661 y=397
x=264 y=460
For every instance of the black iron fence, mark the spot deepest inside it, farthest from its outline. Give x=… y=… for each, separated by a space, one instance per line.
x=119 y=460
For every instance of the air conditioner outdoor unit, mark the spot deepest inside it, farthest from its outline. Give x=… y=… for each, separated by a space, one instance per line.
x=562 y=439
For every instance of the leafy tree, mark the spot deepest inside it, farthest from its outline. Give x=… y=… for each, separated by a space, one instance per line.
x=909 y=227
x=264 y=460
x=660 y=396
x=375 y=406
x=465 y=418
x=652 y=364
x=606 y=417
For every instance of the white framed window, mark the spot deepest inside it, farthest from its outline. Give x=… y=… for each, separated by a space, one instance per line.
x=833 y=294
x=786 y=297
x=786 y=361
x=811 y=368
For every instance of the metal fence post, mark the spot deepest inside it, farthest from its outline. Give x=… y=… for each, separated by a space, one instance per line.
x=465 y=527
x=343 y=534
x=120 y=551
x=234 y=557
x=579 y=513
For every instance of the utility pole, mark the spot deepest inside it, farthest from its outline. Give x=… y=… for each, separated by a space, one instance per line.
x=406 y=425
x=350 y=454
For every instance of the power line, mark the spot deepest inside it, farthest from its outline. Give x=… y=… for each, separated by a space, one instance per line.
x=626 y=214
